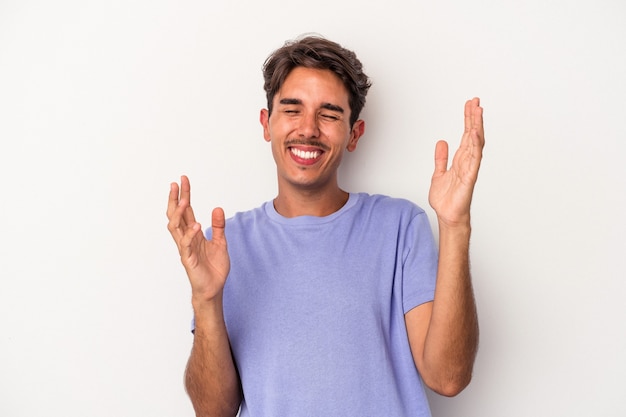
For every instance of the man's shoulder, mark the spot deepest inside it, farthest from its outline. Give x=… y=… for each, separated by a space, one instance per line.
x=386 y=203
x=247 y=216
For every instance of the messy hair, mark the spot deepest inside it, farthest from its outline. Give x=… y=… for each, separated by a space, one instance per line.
x=318 y=53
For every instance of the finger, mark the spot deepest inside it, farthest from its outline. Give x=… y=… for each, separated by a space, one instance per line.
x=177 y=225
x=477 y=121
x=188 y=215
x=176 y=209
x=473 y=114
x=468 y=123
x=441 y=158
x=218 y=224
x=473 y=122
x=185 y=198
x=185 y=187
x=172 y=201
x=476 y=136
x=478 y=143
x=187 y=247
x=468 y=119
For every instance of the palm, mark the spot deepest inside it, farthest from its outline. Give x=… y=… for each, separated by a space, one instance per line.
x=206 y=261
x=451 y=189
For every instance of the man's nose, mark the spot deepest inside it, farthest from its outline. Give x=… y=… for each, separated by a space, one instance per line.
x=309 y=127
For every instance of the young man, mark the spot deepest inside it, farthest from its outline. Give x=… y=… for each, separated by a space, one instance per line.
x=326 y=302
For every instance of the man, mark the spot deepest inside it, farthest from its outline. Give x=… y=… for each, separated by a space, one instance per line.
x=326 y=302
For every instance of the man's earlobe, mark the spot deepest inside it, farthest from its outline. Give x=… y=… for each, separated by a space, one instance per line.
x=357 y=131
x=264 y=119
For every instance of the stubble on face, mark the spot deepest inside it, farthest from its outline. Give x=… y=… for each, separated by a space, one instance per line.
x=309 y=128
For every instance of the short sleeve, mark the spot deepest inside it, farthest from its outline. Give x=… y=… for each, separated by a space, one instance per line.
x=419 y=266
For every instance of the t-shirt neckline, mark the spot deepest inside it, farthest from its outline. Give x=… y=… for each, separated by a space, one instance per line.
x=271 y=212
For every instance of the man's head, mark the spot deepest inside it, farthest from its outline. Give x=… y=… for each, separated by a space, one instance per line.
x=317 y=53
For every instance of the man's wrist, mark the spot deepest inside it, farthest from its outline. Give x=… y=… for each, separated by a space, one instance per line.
x=458 y=226
x=203 y=308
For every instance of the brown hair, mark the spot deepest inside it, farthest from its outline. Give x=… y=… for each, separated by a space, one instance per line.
x=319 y=53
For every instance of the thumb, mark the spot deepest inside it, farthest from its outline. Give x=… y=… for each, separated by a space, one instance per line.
x=218 y=223
x=441 y=158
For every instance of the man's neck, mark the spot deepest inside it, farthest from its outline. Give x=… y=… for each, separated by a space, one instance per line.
x=310 y=203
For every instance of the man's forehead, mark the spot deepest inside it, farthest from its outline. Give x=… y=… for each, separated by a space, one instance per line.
x=307 y=83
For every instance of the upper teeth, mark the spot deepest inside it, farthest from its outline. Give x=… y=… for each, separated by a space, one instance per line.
x=305 y=154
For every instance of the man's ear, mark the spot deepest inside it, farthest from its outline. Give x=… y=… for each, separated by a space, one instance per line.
x=355 y=134
x=264 y=118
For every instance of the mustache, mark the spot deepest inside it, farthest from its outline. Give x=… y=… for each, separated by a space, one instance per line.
x=305 y=142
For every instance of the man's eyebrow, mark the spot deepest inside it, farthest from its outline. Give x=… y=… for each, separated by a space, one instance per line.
x=333 y=107
x=290 y=101
x=297 y=101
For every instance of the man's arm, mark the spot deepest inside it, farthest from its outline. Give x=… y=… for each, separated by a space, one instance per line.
x=443 y=334
x=211 y=378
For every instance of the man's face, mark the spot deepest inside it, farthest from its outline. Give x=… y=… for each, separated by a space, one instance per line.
x=309 y=128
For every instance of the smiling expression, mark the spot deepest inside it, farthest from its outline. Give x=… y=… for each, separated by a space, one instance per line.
x=309 y=129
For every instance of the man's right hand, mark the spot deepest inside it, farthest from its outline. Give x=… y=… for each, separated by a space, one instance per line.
x=206 y=261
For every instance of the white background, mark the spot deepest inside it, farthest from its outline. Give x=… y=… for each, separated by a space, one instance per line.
x=104 y=103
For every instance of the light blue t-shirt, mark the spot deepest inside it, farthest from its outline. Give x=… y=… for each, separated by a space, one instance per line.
x=314 y=308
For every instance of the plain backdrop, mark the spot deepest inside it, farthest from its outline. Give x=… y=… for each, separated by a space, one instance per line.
x=104 y=103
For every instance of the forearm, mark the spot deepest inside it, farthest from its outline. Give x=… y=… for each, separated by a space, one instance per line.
x=211 y=378
x=452 y=339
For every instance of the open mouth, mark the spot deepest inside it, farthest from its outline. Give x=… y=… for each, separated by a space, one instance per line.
x=308 y=153
x=304 y=154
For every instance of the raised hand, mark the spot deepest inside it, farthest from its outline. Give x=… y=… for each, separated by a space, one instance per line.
x=206 y=261
x=451 y=189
